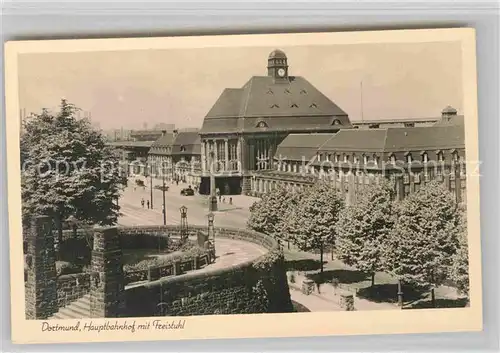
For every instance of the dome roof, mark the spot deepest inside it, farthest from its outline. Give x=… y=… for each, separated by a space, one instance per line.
x=449 y=110
x=277 y=54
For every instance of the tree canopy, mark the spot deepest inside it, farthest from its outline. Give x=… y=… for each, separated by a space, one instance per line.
x=459 y=271
x=269 y=215
x=363 y=228
x=67 y=169
x=311 y=224
x=425 y=237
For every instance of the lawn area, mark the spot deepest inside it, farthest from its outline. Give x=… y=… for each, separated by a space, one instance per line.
x=385 y=288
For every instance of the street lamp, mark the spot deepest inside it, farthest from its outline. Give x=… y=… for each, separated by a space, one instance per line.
x=164 y=210
x=211 y=217
x=184 y=230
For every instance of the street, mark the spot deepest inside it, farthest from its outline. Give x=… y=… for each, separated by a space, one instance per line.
x=197 y=209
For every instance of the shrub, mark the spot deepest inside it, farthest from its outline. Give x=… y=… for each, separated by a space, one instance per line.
x=67 y=268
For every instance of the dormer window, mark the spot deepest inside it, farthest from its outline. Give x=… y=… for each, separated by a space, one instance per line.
x=294 y=105
x=440 y=156
x=183 y=149
x=313 y=105
x=337 y=122
x=270 y=91
x=275 y=105
x=287 y=91
x=261 y=124
x=303 y=91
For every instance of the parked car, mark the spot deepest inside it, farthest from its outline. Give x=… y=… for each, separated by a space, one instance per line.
x=187 y=192
x=161 y=187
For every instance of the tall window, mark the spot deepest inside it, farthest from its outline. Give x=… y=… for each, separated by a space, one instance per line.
x=365 y=159
x=425 y=158
x=393 y=159
x=408 y=158
x=440 y=156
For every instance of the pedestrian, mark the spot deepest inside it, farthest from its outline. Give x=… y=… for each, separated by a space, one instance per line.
x=142 y=203
x=230 y=200
x=223 y=200
x=147 y=203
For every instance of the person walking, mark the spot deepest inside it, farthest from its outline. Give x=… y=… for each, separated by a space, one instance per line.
x=147 y=203
x=142 y=203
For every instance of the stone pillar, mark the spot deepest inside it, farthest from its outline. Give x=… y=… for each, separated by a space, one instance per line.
x=399 y=187
x=458 y=183
x=226 y=154
x=238 y=154
x=107 y=292
x=216 y=155
x=41 y=285
x=203 y=156
x=351 y=191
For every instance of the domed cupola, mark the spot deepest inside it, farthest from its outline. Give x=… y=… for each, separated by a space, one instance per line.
x=277 y=65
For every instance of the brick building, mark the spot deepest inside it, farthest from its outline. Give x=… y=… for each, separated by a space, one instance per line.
x=243 y=129
x=416 y=154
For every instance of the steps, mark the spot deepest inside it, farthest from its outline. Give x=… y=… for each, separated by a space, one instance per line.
x=78 y=309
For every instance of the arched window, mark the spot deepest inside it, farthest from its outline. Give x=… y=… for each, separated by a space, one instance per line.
x=392 y=158
x=440 y=156
x=408 y=157
x=337 y=122
x=425 y=157
x=261 y=124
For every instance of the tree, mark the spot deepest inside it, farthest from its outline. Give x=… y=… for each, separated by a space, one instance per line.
x=311 y=224
x=269 y=214
x=363 y=228
x=459 y=271
x=68 y=170
x=421 y=245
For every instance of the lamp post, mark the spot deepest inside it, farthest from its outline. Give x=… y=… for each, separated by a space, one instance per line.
x=151 y=184
x=211 y=217
x=184 y=229
x=164 y=210
x=212 y=199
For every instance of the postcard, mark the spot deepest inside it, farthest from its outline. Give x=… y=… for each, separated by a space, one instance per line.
x=239 y=186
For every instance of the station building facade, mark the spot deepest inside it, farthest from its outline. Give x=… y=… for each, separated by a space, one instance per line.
x=242 y=131
x=280 y=130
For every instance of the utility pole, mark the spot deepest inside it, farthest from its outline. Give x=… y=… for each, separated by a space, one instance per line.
x=151 y=183
x=164 y=204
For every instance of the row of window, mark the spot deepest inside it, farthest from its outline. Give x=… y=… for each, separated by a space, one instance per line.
x=375 y=159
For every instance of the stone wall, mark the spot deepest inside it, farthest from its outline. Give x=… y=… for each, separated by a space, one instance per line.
x=71 y=288
x=256 y=286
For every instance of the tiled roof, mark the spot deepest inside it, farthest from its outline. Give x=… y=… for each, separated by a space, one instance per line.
x=131 y=143
x=297 y=146
x=165 y=140
x=295 y=100
x=386 y=140
x=190 y=141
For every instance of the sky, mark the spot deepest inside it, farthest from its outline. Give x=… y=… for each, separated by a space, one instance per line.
x=179 y=86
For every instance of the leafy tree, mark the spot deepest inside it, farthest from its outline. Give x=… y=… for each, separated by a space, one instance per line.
x=311 y=224
x=459 y=271
x=421 y=245
x=68 y=170
x=269 y=214
x=363 y=228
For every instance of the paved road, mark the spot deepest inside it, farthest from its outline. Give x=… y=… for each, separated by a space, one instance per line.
x=135 y=214
x=228 y=251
